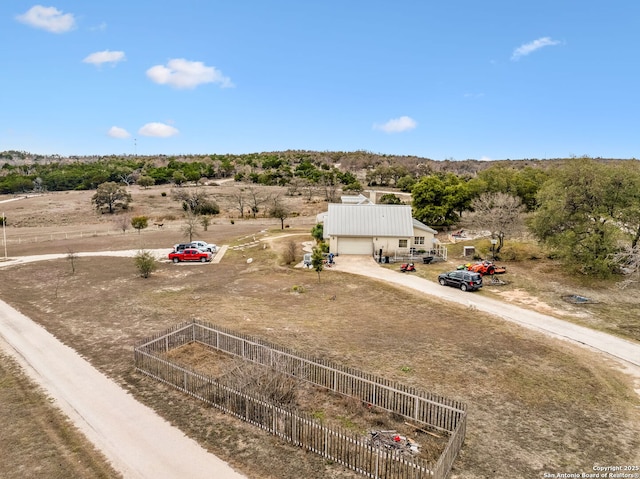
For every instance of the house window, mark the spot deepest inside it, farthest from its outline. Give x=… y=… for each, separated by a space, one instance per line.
x=402 y=243
x=418 y=240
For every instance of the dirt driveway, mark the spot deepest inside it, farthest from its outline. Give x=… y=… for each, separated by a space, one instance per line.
x=626 y=353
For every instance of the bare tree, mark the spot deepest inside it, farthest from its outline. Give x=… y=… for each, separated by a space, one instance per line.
x=330 y=186
x=294 y=186
x=500 y=213
x=309 y=189
x=190 y=227
x=239 y=201
x=123 y=223
x=280 y=382
x=72 y=256
x=256 y=199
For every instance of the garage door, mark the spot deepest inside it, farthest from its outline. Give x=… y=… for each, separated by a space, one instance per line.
x=355 y=246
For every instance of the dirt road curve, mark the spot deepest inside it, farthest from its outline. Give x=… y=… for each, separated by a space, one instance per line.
x=137 y=442
x=627 y=353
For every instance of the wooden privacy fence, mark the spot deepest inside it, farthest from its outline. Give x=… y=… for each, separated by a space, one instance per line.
x=423 y=409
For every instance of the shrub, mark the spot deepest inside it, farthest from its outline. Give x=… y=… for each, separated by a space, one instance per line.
x=140 y=222
x=145 y=263
x=289 y=253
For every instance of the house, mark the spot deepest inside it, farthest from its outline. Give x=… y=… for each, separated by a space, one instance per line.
x=381 y=230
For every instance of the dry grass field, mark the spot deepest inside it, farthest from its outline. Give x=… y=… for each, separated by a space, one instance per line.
x=535 y=404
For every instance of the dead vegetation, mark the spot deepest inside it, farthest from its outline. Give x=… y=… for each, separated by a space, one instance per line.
x=37 y=440
x=535 y=404
x=382 y=428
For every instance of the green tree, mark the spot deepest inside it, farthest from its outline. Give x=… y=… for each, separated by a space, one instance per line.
x=406 y=183
x=112 y=195
x=579 y=212
x=439 y=200
x=179 y=178
x=317 y=261
x=145 y=263
x=146 y=181
x=523 y=183
x=317 y=232
x=279 y=210
x=389 y=199
x=139 y=222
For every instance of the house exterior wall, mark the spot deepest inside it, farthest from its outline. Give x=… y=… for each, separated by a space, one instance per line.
x=390 y=245
x=428 y=239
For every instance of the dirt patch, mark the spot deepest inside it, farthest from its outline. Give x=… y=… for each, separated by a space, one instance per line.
x=521 y=297
x=325 y=407
x=535 y=404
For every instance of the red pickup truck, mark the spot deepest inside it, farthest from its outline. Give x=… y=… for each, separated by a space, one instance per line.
x=190 y=254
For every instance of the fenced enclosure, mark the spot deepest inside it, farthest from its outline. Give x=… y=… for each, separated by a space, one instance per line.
x=427 y=411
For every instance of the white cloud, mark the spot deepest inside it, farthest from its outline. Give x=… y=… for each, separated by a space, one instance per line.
x=158 y=129
x=397 y=125
x=48 y=18
x=181 y=73
x=486 y=158
x=524 y=50
x=117 y=132
x=99 y=28
x=98 y=58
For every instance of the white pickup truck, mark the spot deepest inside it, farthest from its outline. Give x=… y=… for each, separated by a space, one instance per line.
x=204 y=246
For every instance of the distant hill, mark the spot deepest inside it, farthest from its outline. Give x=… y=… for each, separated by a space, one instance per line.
x=345 y=161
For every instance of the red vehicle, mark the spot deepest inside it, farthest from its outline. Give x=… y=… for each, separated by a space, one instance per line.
x=190 y=254
x=486 y=267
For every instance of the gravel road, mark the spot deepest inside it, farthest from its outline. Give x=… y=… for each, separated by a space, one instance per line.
x=626 y=353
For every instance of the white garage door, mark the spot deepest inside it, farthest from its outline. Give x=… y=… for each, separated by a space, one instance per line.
x=355 y=246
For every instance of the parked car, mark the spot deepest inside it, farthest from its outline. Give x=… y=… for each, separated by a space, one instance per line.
x=204 y=246
x=465 y=280
x=182 y=246
x=190 y=254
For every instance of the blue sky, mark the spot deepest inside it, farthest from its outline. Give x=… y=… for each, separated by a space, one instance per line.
x=457 y=80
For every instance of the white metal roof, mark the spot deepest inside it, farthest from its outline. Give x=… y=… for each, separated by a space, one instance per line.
x=422 y=226
x=368 y=220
